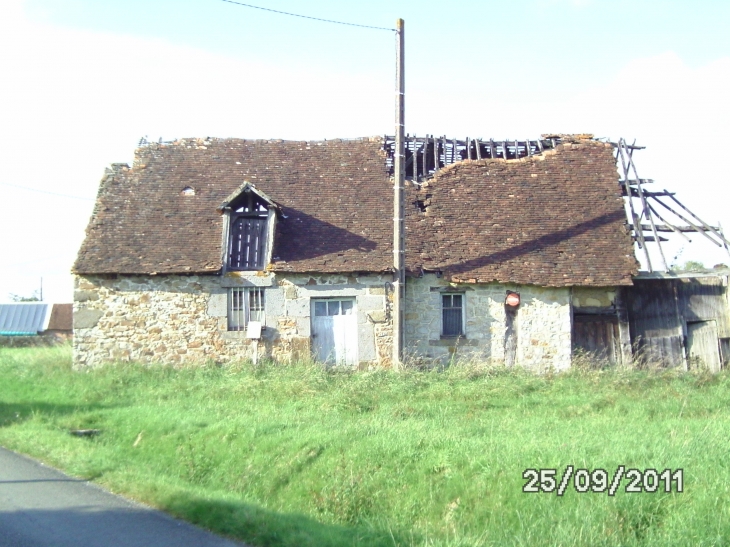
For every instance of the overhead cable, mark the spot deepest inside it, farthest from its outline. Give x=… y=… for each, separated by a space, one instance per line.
x=44 y=191
x=308 y=17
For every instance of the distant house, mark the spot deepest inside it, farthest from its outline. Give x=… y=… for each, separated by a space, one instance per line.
x=35 y=318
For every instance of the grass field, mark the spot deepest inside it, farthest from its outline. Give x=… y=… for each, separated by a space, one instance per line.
x=298 y=456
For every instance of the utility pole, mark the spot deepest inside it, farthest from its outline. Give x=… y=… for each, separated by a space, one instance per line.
x=398 y=208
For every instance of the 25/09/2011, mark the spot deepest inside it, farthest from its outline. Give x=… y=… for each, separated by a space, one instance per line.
x=650 y=480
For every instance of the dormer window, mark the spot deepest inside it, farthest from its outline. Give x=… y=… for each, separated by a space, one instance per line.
x=250 y=228
x=247 y=241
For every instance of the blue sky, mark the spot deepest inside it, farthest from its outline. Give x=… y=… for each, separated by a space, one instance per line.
x=84 y=80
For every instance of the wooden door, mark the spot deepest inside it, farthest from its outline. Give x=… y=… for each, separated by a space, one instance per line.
x=703 y=345
x=597 y=336
x=334 y=331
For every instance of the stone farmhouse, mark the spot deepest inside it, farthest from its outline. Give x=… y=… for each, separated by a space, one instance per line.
x=219 y=249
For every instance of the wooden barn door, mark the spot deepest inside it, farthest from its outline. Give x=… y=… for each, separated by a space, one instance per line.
x=703 y=345
x=334 y=332
x=597 y=336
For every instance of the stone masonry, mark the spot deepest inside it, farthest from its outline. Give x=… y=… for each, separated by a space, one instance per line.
x=542 y=323
x=183 y=319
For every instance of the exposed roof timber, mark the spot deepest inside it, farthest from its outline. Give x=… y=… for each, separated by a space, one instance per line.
x=635 y=192
x=426 y=155
x=628 y=146
x=668 y=228
x=634 y=181
x=632 y=187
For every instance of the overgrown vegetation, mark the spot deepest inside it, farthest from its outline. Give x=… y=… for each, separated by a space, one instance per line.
x=298 y=456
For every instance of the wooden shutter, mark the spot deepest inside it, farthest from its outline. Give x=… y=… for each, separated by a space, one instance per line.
x=247 y=243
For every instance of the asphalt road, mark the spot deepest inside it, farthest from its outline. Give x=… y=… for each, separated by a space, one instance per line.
x=42 y=507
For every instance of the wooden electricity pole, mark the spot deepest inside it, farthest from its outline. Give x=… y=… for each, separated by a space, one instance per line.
x=398 y=208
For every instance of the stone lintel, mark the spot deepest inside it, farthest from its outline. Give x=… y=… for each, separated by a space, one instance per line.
x=248 y=279
x=450 y=288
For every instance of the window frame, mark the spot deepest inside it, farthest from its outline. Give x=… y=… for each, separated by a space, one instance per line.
x=339 y=300
x=247 y=304
x=462 y=316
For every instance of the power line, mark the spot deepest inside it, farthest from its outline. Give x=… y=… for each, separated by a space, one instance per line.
x=53 y=257
x=45 y=192
x=308 y=17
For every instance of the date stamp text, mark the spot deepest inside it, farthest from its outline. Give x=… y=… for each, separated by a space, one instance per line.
x=600 y=481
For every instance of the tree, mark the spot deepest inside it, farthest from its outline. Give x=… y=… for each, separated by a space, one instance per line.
x=692 y=266
x=19 y=298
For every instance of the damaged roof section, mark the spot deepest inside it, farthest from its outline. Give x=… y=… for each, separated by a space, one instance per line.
x=550 y=219
x=426 y=155
x=331 y=193
x=650 y=217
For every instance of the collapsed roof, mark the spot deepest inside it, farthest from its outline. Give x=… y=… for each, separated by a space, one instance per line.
x=547 y=215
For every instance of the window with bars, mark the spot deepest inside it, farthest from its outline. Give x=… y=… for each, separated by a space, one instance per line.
x=452 y=314
x=244 y=305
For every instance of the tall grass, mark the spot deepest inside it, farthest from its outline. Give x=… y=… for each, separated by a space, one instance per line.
x=297 y=455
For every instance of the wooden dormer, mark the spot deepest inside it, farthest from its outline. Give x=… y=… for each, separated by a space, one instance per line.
x=249 y=229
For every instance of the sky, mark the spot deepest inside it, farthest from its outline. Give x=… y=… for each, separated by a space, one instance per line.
x=82 y=81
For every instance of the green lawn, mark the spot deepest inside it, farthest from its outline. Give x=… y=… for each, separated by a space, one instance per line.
x=298 y=456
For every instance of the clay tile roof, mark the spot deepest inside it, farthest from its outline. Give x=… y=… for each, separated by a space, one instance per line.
x=61 y=317
x=556 y=219
x=161 y=215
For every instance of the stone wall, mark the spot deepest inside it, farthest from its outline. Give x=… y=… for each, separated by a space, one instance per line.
x=183 y=319
x=542 y=323
x=593 y=297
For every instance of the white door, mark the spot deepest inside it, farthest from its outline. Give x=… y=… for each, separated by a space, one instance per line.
x=334 y=331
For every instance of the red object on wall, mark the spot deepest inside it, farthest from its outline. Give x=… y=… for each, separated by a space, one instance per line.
x=513 y=299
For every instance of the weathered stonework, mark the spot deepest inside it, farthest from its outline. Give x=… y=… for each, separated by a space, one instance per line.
x=593 y=297
x=542 y=323
x=183 y=319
